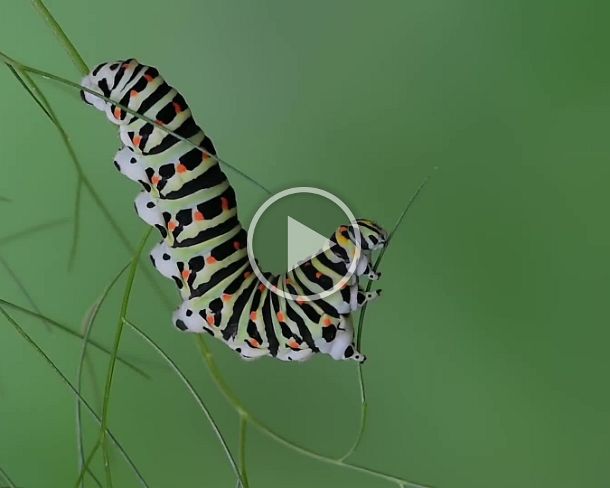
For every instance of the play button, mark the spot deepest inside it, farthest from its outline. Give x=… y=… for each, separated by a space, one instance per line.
x=303 y=242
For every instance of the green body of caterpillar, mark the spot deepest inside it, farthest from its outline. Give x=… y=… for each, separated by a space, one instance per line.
x=189 y=200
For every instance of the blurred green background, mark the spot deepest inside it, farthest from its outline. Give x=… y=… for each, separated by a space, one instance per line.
x=488 y=356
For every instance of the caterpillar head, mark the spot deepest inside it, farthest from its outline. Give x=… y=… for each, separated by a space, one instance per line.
x=103 y=80
x=372 y=236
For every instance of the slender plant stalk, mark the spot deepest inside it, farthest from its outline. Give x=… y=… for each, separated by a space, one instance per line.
x=76 y=222
x=6 y=477
x=72 y=332
x=27 y=232
x=67 y=382
x=73 y=53
x=241 y=409
x=85 y=468
x=195 y=395
x=25 y=86
x=243 y=426
x=88 y=327
x=360 y=329
x=22 y=288
x=117 y=340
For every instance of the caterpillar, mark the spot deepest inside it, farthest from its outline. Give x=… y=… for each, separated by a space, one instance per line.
x=188 y=198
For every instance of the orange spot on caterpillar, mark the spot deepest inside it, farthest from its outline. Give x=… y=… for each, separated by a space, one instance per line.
x=318 y=275
x=155 y=180
x=137 y=140
x=261 y=287
x=204 y=155
x=148 y=77
x=342 y=228
x=326 y=322
x=117 y=113
x=180 y=168
x=159 y=122
x=210 y=319
x=211 y=260
x=133 y=93
x=247 y=273
x=237 y=245
x=292 y=344
x=254 y=343
x=185 y=274
x=226 y=297
x=171 y=225
x=252 y=316
x=224 y=202
x=300 y=301
x=177 y=107
x=281 y=317
x=198 y=216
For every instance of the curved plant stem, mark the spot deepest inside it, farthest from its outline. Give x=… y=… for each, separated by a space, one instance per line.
x=243 y=425
x=74 y=55
x=85 y=468
x=76 y=222
x=195 y=395
x=363 y=402
x=88 y=327
x=117 y=340
x=6 y=477
x=241 y=410
x=67 y=382
x=32 y=230
x=72 y=332
x=22 y=288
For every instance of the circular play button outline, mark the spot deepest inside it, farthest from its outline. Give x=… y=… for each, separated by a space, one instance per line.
x=313 y=191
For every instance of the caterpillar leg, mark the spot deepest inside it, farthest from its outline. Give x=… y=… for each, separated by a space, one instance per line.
x=359 y=297
x=370 y=273
x=127 y=163
x=342 y=346
x=248 y=353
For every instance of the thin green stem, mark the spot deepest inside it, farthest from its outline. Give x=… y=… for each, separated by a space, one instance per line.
x=6 y=477
x=88 y=327
x=67 y=382
x=76 y=222
x=70 y=331
x=20 y=79
x=240 y=408
x=193 y=393
x=243 y=425
x=117 y=340
x=85 y=467
x=363 y=402
x=67 y=44
x=27 y=232
x=22 y=288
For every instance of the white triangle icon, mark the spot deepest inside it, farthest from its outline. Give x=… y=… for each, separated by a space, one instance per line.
x=303 y=242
